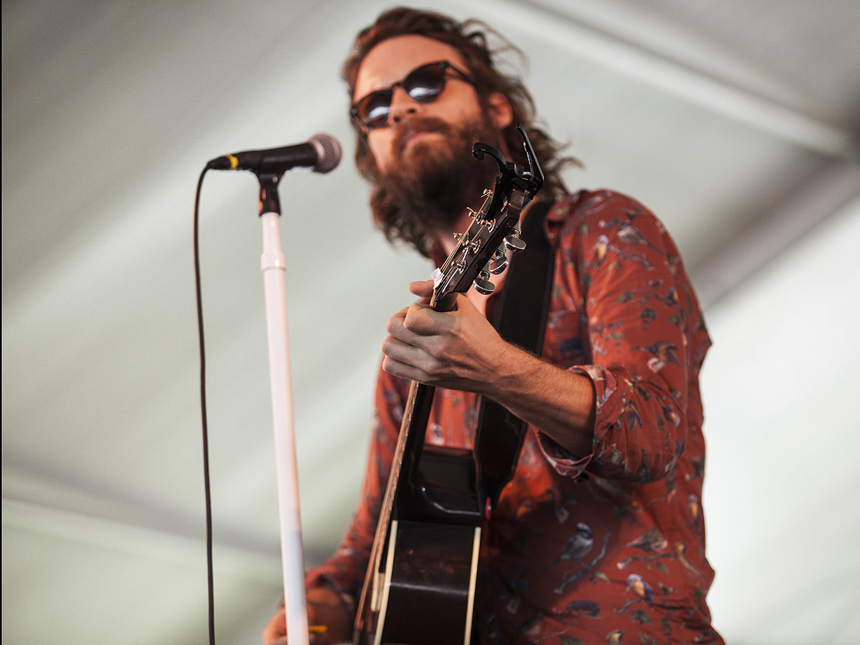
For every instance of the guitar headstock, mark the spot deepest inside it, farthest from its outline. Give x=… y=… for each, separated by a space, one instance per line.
x=482 y=249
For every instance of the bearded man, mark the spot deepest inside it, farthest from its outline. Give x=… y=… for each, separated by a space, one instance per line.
x=600 y=531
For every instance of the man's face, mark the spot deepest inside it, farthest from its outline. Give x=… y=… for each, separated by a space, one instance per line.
x=422 y=154
x=415 y=129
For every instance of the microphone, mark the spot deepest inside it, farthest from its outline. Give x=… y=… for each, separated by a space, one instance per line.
x=320 y=153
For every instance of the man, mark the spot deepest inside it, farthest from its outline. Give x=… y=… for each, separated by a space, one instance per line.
x=600 y=532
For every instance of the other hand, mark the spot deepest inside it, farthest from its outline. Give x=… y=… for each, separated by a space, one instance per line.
x=325 y=608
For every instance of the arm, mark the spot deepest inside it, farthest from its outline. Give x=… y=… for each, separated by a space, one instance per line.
x=460 y=350
x=623 y=411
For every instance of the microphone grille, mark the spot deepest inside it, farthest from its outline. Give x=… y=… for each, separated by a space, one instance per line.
x=328 y=152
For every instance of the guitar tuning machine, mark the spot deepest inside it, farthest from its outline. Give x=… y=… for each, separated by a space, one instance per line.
x=496 y=267
x=499 y=261
x=514 y=242
x=483 y=284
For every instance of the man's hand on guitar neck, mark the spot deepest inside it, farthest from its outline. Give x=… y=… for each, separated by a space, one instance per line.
x=460 y=350
x=325 y=609
x=451 y=349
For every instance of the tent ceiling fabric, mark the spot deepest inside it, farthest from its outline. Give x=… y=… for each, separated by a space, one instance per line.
x=736 y=122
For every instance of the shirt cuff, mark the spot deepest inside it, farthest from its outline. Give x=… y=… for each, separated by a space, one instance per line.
x=606 y=413
x=564 y=462
x=325 y=580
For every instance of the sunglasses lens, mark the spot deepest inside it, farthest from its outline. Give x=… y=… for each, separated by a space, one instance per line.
x=425 y=84
x=373 y=109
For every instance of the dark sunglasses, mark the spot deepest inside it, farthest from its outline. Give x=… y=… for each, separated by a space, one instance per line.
x=423 y=85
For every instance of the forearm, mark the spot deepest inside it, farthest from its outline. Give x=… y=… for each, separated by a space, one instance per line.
x=344 y=571
x=557 y=402
x=460 y=350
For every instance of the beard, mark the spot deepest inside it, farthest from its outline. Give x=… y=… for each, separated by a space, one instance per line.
x=427 y=192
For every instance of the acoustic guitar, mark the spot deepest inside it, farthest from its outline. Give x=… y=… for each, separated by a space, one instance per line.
x=419 y=588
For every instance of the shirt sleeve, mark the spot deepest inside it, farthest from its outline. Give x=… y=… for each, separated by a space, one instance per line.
x=345 y=570
x=638 y=311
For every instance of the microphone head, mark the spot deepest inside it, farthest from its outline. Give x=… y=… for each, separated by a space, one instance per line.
x=328 y=150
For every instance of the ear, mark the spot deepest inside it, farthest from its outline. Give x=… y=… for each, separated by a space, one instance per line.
x=500 y=111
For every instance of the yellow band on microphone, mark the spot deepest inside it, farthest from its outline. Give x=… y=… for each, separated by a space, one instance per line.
x=234 y=162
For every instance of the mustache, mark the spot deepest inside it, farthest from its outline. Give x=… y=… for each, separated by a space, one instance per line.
x=418 y=124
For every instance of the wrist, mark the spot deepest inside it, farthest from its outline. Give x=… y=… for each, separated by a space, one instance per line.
x=511 y=370
x=330 y=596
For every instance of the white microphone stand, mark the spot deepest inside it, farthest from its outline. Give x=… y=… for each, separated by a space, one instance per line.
x=272 y=264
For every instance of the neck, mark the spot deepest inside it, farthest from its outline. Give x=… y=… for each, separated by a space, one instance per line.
x=447 y=239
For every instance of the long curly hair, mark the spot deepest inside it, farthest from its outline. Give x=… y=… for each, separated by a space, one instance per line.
x=472 y=39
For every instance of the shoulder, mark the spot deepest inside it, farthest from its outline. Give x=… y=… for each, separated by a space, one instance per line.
x=588 y=213
x=595 y=204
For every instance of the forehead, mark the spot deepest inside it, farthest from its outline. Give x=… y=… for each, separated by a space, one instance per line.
x=392 y=59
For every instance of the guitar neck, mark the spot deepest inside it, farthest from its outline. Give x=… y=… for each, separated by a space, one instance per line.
x=481 y=249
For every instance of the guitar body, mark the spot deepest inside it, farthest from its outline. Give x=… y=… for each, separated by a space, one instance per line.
x=423 y=592
x=427 y=594
x=420 y=583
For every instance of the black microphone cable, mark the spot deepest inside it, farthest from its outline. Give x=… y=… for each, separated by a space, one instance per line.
x=321 y=153
x=207 y=489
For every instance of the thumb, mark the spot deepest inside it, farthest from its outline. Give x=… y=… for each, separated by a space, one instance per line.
x=422 y=289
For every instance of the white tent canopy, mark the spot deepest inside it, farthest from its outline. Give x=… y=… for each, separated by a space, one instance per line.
x=735 y=122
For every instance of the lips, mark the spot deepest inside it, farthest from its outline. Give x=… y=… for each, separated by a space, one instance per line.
x=413 y=137
x=413 y=131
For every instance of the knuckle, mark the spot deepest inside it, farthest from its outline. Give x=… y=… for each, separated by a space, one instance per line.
x=445 y=352
x=387 y=364
x=411 y=322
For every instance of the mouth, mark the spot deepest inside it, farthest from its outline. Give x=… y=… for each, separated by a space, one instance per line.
x=414 y=136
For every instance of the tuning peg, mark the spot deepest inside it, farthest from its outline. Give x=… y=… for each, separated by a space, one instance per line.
x=499 y=261
x=483 y=284
x=497 y=266
x=514 y=242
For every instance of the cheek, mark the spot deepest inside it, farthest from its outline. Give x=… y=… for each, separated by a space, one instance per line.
x=380 y=147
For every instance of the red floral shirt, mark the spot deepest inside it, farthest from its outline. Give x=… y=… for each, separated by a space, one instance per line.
x=605 y=546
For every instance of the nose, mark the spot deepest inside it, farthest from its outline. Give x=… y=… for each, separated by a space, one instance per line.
x=401 y=105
